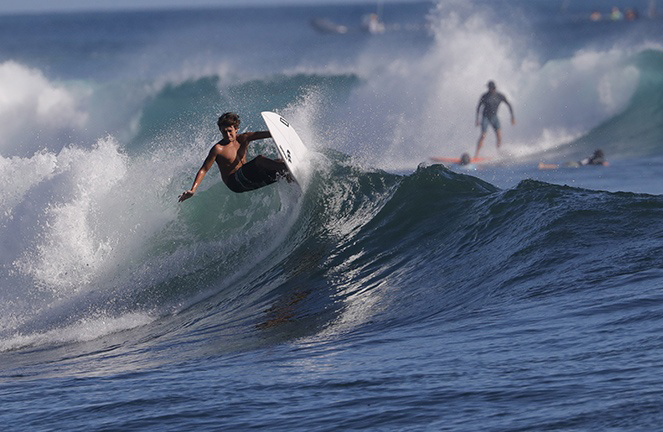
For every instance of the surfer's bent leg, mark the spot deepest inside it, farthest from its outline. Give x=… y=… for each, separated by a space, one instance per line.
x=257 y=173
x=270 y=166
x=273 y=168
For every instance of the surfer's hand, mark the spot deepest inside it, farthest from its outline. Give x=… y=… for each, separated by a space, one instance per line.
x=186 y=195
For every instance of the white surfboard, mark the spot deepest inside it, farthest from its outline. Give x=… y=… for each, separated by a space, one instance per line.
x=290 y=146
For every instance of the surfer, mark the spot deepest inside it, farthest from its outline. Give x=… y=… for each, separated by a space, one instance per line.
x=597 y=158
x=490 y=101
x=230 y=156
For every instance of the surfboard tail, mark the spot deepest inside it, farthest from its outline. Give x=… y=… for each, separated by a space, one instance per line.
x=288 y=143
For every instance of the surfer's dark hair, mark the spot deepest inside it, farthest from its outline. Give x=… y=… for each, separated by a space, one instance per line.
x=228 y=119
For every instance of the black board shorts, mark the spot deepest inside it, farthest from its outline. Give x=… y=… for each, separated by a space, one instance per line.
x=250 y=177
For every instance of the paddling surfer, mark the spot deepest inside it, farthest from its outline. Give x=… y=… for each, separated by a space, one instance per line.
x=490 y=101
x=598 y=158
x=230 y=156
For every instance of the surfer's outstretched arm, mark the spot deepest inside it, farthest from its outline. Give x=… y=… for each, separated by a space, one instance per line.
x=209 y=162
x=258 y=135
x=245 y=139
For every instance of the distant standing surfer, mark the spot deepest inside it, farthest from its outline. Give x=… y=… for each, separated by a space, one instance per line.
x=230 y=156
x=490 y=101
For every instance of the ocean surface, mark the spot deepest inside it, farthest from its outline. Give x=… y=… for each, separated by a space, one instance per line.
x=388 y=293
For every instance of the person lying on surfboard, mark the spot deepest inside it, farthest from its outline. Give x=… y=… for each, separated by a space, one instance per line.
x=230 y=156
x=490 y=101
x=598 y=158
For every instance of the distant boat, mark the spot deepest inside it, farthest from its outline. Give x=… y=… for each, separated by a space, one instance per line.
x=324 y=25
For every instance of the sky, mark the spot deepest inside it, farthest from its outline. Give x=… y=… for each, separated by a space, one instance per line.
x=35 y=6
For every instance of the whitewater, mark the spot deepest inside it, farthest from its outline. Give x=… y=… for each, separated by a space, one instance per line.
x=391 y=292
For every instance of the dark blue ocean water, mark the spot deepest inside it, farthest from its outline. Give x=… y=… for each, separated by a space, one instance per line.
x=392 y=293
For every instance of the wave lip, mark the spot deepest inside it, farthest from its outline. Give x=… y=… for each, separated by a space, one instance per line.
x=33 y=108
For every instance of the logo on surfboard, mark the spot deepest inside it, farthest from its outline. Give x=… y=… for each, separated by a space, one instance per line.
x=286 y=153
x=289 y=145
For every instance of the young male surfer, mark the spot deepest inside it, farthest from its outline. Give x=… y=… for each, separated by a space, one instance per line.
x=230 y=156
x=491 y=100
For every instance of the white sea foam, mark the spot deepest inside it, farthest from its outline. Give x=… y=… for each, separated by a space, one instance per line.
x=85 y=329
x=71 y=226
x=32 y=109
